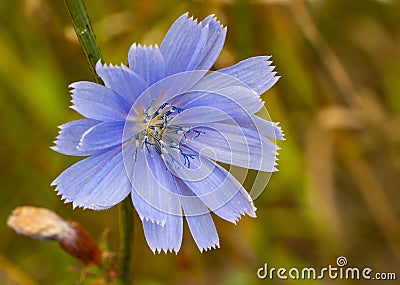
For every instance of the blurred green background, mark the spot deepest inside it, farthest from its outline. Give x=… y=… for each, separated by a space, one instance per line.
x=338 y=101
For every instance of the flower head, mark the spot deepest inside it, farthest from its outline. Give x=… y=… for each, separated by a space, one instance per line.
x=157 y=128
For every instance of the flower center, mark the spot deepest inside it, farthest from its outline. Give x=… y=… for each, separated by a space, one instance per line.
x=156 y=128
x=168 y=140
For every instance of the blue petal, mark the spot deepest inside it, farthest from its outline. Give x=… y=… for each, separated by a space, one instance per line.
x=97 y=182
x=153 y=188
x=147 y=62
x=226 y=142
x=98 y=102
x=163 y=90
x=101 y=136
x=108 y=134
x=183 y=44
x=240 y=204
x=256 y=72
x=201 y=116
x=203 y=231
x=216 y=80
x=189 y=45
x=194 y=168
x=257 y=124
x=123 y=81
x=234 y=145
x=220 y=192
x=234 y=100
x=199 y=219
x=167 y=237
x=70 y=135
x=108 y=188
x=214 y=44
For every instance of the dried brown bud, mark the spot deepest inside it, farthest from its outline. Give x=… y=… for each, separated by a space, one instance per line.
x=81 y=245
x=41 y=223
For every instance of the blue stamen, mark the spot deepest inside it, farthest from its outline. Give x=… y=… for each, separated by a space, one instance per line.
x=186 y=157
x=156 y=113
x=147 y=143
x=174 y=108
x=146 y=111
x=198 y=133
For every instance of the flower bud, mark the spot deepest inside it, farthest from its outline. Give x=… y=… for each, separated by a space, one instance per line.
x=43 y=224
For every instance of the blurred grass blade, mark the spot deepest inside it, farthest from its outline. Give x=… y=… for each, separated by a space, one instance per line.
x=13 y=274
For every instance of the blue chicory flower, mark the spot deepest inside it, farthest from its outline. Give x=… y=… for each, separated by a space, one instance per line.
x=158 y=127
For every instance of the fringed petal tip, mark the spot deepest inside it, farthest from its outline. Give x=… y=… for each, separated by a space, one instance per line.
x=63 y=197
x=188 y=18
x=77 y=204
x=249 y=211
x=167 y=238
x=276 y=161
x=55 y=141
x=213 y=18
x=61 y=127
x=136 y=45
x=158 y=250
x=205 y=22
x=214 y=246
x=100 y=65
x=279 y=134
x=81 y=85
x=153 y=221
x=85 y=207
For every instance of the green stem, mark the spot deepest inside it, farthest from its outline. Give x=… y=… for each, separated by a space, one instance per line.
x=84 y=31
x=87 y=39
x=126 y=241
